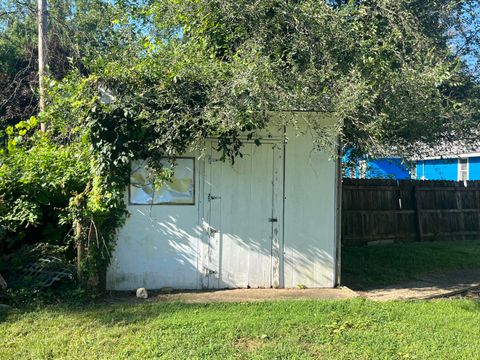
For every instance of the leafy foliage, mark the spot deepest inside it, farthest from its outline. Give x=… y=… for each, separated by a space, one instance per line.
x=36 y=185
x=386 y=69
x=76 y=30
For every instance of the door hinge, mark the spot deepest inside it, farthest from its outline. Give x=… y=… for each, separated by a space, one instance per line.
x=213 y=197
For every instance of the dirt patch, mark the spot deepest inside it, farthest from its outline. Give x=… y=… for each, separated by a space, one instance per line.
x=248 y=344
x=429 y=286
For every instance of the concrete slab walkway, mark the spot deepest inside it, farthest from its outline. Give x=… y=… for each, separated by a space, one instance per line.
x=240 y=295
x=249 y=295
x=428 y=286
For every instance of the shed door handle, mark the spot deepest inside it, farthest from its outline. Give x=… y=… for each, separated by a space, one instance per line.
x=272 y=220
x=213 y=197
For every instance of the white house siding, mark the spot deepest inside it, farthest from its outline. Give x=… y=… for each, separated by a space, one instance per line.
x=158 y=246
x=310 y=202
x=228 y=239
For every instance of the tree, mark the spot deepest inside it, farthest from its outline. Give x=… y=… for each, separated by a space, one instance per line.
x=396 y=73
x=44 y=177
x=187 y=69
x=75 y=30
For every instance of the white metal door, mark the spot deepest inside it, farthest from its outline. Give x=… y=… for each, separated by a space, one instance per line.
x=243 y=218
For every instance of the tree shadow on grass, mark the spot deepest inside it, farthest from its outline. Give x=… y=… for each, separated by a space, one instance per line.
x=129 y=313
x=108 y=314
x=376 y=267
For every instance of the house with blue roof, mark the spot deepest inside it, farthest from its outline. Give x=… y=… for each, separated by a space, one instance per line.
x=449 y=167
x=384 y=168
x=458 y=167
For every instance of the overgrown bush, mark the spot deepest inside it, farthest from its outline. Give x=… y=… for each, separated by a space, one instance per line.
x=36 y=183
x=38 y=179
x=64 y=187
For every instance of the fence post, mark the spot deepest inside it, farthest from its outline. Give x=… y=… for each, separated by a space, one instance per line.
x=418 y=215
x=398 y=192
x=461 y=217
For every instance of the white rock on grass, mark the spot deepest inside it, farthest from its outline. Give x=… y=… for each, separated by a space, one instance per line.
x=142 y=293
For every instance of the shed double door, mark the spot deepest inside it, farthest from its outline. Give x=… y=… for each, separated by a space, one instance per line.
x=243 y=206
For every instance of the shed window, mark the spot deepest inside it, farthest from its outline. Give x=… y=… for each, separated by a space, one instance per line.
x=462 y=169
x=179 y=191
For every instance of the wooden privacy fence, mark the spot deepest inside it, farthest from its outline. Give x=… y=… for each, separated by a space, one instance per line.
x=409 y=210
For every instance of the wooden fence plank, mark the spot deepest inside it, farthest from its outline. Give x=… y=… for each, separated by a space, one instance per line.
x=409 y=209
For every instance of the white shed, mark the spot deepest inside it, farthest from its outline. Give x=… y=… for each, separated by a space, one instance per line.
x=270 y=220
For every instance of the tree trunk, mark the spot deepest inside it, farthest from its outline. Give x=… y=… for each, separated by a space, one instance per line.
x=42 y=55
x=80 y=252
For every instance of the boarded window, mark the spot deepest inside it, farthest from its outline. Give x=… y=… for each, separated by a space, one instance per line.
x=179 y=191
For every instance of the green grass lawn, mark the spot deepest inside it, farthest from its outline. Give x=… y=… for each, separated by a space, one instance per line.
x=347 y=329
x=371 y=266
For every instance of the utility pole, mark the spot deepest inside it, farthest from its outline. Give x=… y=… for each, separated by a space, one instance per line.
x=42 y=54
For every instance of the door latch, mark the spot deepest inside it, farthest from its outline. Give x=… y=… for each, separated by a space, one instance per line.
x=209 y=272
x=213 y=197
x=272 y=220
x=211 y=159
x=211 y=231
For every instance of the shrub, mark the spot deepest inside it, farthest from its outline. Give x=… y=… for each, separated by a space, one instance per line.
x=36 y=184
